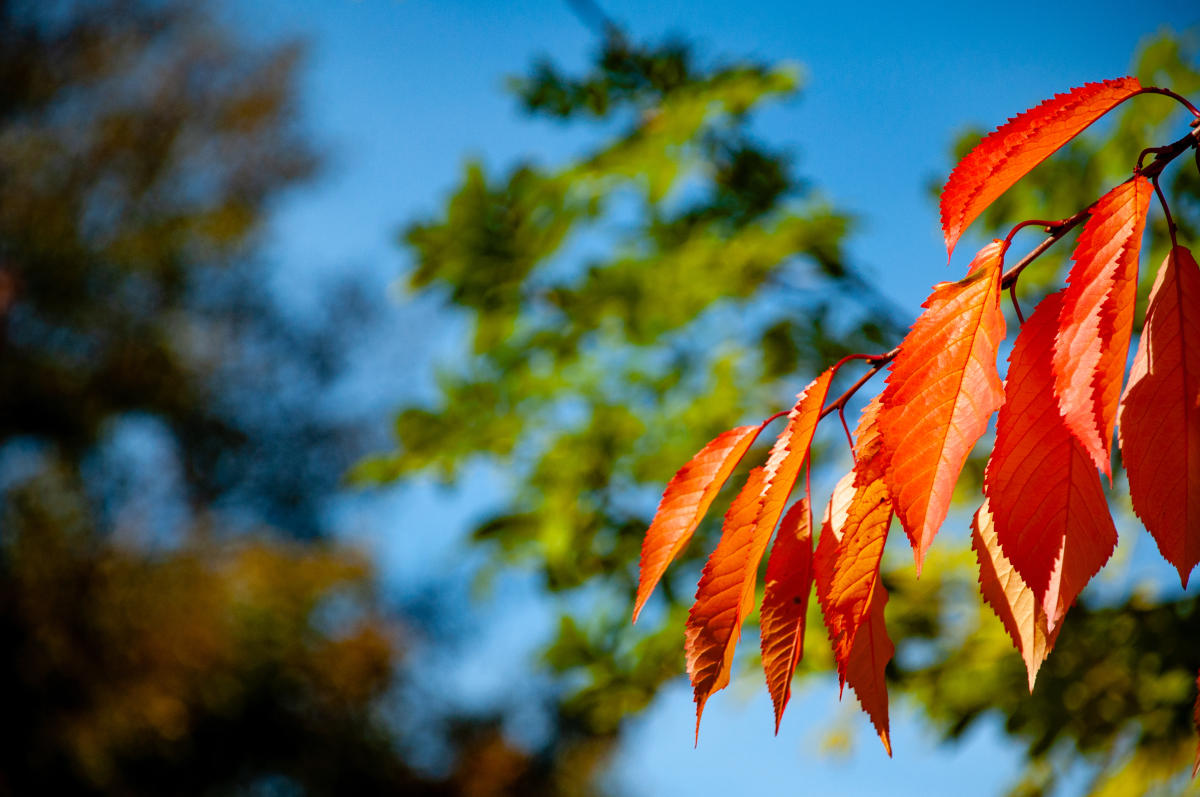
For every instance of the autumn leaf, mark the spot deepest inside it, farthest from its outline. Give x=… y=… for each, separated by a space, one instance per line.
x=855 y=569
x=825 y=560
x=684 y=503
x=1010 y=597
x=727 y=585
x=866 y=658
x=1160 y=420
x=1049 y=511
x=942 y=389
x=867 y=663
x=1096 y=320
x=1008 y=153
x=785 y=603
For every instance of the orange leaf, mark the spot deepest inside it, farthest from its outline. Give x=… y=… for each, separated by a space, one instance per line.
x=855 y=568
x=1160 y=420
x=727 y=585
x=1049 y=511
x=1009 y=596
x=1096 y=320
x=865 y=667
x=825 y=558
x=867 y=653
x=785 y=603
x=684 y=502
x=942 y=389
x=1013 y=149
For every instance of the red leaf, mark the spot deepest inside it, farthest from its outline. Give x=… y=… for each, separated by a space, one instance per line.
x=1010 y=597
x=854 y=572
x=942 y=389
x=684 y=502
x=1014 y=148
x=825 y=558
x=862 y=654
x=1096 y=320
x=1160 y=420
x=1049 y=511
x=785 y=603
x=727 y=585
x=865 y=667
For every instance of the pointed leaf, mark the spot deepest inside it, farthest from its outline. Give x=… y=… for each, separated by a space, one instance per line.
x=1014 y=148
x=863 y=662
x=1096 y=319
x=727 y=585
x=855 y=568
x=785 y=603
x=1160 y=419
x=942 y=389
x=1010 y=597
x=1049 y=511
x=687 y=497
x=865 y=667
x=837 y=512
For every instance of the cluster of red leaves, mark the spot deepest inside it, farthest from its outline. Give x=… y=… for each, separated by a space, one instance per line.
x=1044 y=528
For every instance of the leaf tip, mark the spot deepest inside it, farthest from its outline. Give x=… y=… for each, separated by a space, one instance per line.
x=886 y=738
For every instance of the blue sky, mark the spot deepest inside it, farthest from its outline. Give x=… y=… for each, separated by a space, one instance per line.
x=401 y=93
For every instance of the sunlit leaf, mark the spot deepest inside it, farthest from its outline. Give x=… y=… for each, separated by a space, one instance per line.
x=687 y=497
x=785 y=603
x=1096 y=320
x=1160 y=419
x=1013 y=149
x=941 y=392
x=1050 y=515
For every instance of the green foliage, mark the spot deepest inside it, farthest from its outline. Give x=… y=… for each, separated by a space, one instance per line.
x=679 y=280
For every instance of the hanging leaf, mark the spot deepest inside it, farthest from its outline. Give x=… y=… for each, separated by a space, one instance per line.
x=865 y=660
x=785 y=603
x=1010 y=597
x=867 y=664
x=1049 y=511
x=727 y=585
x=1096 y=320
x=684 y=503
x=941 y=392
x=1013 y=149
x=854 y=574
x=1160 y=419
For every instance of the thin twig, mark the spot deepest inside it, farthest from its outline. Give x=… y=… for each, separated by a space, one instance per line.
x=1012 y=294
x=1166 y=212
x=849 y=437
x=1168 y=93
x=878 y=361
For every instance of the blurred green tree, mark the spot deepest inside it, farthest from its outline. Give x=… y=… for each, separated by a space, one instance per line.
x=171 y=620
x=681 y=278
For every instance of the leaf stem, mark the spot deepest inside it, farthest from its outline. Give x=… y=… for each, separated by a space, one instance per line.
x=878 y=361
x=1166 y=212
x=1178 y=98
x=1057 y=230
x=1012 y=294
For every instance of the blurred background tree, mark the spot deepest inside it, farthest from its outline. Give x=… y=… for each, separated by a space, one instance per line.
x=681 y=278
x=173 y=615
